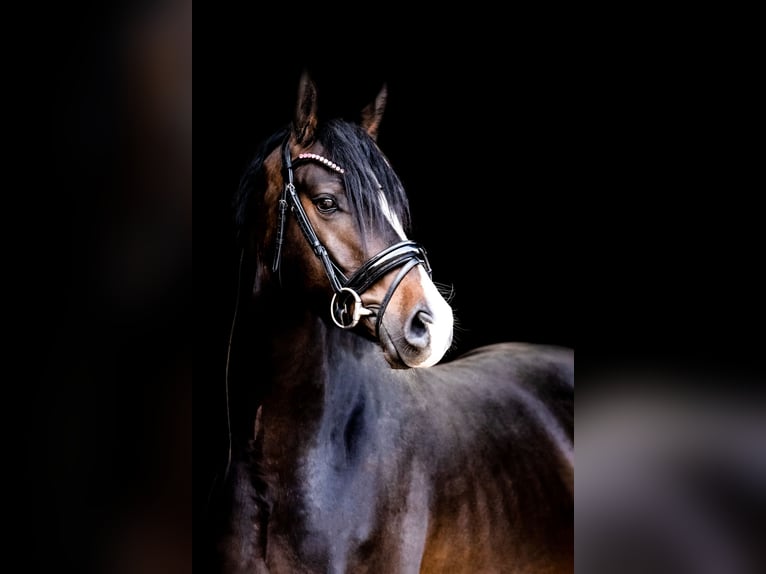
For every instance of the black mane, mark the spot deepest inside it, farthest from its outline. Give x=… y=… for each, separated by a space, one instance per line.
x=365 y=167
x=249 y=197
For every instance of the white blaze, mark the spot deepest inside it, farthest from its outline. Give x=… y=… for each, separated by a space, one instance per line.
x=440 y=330
x=390 y=215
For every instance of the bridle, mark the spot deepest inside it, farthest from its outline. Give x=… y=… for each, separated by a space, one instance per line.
x=346 y=308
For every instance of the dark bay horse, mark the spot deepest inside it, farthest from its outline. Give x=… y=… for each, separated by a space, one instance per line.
x=359 y=453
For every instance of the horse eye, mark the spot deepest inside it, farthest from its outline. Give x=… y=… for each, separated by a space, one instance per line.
x=326 y=204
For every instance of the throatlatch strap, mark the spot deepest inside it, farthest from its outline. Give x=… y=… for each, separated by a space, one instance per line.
x=287 y=168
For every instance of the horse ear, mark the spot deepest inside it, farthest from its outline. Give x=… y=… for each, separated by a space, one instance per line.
x=305 y=121
x=373 y=113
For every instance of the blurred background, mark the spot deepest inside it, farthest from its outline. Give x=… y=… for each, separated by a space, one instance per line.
x=99 y=219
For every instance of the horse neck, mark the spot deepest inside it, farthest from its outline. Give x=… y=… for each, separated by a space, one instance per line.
x=311 y=371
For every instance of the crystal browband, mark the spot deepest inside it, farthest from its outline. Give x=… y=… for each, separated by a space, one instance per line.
x=323 y=160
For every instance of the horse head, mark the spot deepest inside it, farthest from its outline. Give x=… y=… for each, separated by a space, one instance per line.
x=331 y=222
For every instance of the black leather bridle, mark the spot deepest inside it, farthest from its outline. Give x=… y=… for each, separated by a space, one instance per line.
x=346 y=308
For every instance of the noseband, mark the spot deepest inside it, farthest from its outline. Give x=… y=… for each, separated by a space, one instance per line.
x=346 y=308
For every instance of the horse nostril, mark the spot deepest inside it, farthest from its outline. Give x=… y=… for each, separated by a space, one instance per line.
x=416 y=333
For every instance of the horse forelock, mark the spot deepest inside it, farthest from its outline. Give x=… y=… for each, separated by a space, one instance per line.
x=371 y=185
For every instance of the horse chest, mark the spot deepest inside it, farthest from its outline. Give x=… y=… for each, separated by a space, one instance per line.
x=340 y=493
x=348 y=505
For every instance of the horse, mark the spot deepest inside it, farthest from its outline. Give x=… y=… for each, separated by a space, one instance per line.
x=353 y=448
